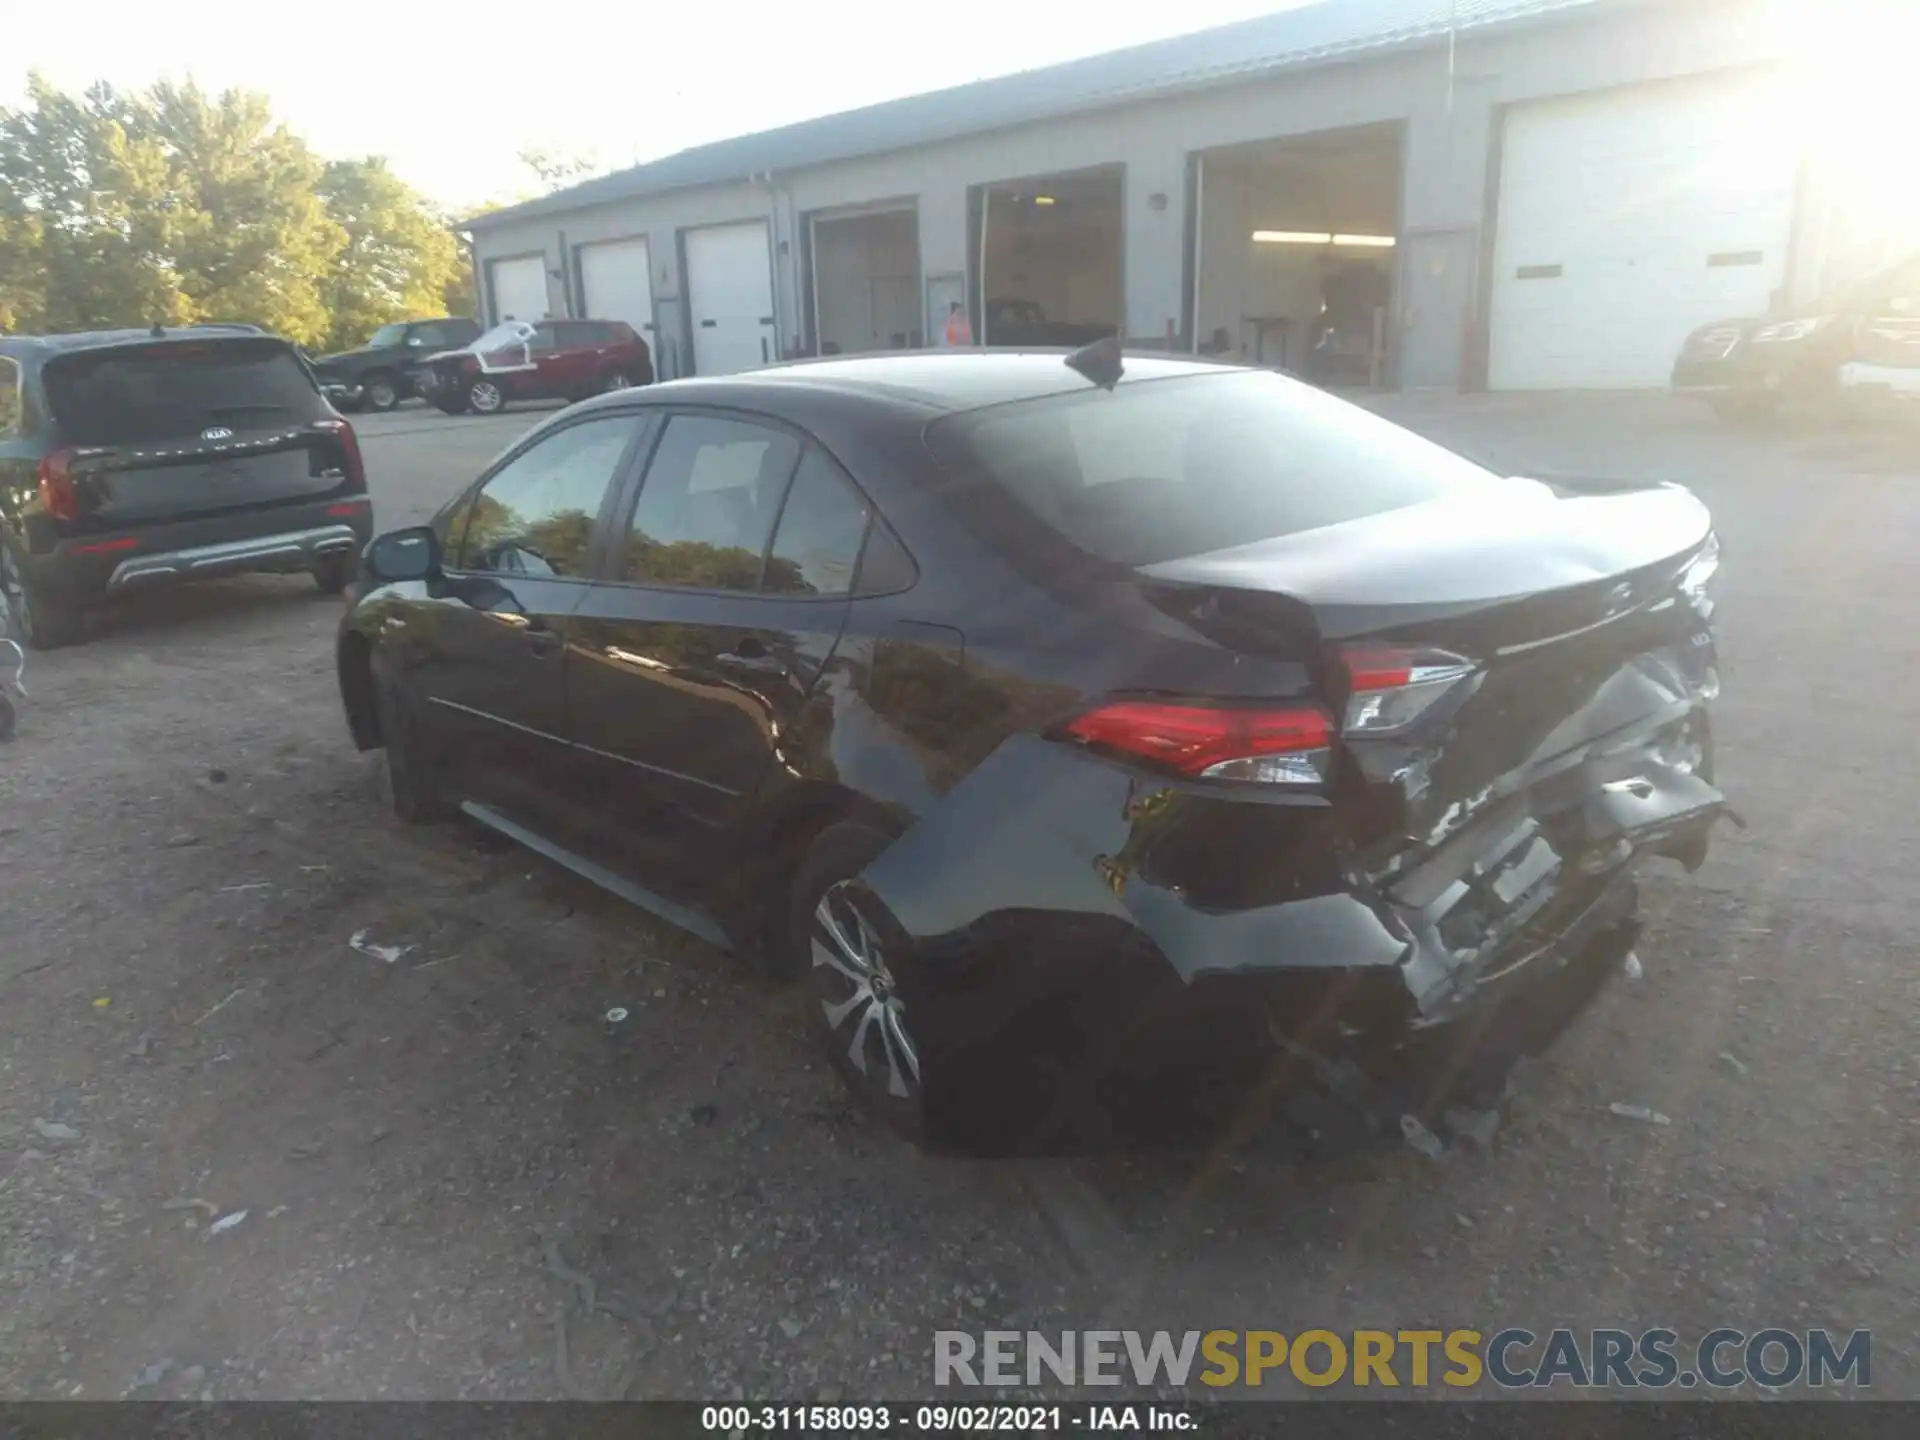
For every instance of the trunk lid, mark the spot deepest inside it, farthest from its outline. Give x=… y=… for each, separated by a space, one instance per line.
x=1521 y=562
x=1566 y=603
x=170 y=429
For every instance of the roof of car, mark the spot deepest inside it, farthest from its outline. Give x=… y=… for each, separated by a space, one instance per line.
x=95 y=339
x=943 y=381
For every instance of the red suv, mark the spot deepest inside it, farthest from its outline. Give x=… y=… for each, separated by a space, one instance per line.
x=521 y=360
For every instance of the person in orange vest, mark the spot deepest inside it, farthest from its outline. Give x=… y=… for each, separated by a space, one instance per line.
x=958 y=331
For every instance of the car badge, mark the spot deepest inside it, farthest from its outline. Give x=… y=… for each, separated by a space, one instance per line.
x=216 y=432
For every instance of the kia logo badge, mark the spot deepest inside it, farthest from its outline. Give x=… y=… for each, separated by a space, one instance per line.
x=216 y=432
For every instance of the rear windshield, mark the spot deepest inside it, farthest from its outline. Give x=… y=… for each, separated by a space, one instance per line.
x=1159 y=470
x=176 y=390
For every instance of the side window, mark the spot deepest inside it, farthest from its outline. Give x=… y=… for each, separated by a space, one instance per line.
x=9 y=397
x=429 y=337
x=885 y=566
x=545 y=339
x=821 y=526
x=708 y=503
x=535 y=517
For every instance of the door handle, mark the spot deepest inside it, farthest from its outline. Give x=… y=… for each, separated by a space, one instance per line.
x=543 y=641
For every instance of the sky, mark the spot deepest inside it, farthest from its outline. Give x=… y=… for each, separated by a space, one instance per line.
x=452 y=95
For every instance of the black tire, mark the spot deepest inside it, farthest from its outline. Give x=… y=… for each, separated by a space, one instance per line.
x=6 y=719
x=410 y=787
x=486 y=397
x=886 y=1076
x=380 y=391
x=332 y=573
x=40 y=623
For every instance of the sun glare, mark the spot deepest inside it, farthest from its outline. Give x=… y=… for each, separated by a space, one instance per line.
x=1856 y=102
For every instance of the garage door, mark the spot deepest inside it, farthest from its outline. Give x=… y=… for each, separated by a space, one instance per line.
x=616 y=283
x=730 y=280
x=1628 y=218
x=519 y=288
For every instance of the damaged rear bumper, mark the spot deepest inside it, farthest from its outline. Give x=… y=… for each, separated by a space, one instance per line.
x=1053 y=917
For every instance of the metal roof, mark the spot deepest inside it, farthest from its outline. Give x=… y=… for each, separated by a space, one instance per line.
x=1310 y=34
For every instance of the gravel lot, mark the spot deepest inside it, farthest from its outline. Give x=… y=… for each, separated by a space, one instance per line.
x=430 y=1154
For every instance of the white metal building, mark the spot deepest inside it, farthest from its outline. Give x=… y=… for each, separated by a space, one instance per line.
x=1523 y=194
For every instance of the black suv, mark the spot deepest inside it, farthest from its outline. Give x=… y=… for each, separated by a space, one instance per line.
x=133 y=458
x=379 y=375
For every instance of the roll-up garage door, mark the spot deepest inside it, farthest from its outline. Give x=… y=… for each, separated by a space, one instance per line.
x=616 y=283
x=730 y=280
x=1627 y=219
x=518 y=287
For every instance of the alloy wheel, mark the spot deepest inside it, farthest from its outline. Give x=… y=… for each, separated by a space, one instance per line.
x=485 y=397
x=866 y=1013
x=382 y=396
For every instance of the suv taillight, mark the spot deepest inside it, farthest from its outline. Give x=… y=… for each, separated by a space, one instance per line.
x=349 y=449
x=58 y=492
x=1388 y=687
x=1267 y=745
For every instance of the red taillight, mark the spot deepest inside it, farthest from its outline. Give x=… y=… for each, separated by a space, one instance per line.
x=1378 y=669
x=1389 y=686
x=349 y=448
x=351 y=507
x=1271 y=744
x=108 y=547
x=58 y=492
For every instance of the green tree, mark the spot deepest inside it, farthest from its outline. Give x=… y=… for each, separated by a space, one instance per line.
x=86 y=217
x=170 y=205
x=556 y=171
x=251 y=236
x=552 y=171
x=401 y=259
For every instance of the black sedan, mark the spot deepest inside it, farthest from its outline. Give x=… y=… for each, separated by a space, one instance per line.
x=1064 y=721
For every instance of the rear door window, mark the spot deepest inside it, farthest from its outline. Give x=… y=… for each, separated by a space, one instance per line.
x=179 y=389
x=817 y=544
x=1162 y=469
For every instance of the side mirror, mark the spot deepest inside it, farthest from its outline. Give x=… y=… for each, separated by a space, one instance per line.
x=410 y=554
